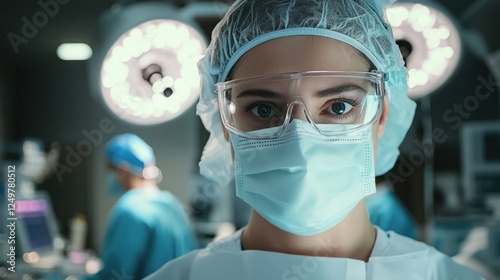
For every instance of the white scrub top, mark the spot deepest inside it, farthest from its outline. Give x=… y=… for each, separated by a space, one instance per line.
x=393 y=257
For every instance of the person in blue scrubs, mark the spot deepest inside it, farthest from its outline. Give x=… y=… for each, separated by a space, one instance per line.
x=387 y=212
x=147 y=227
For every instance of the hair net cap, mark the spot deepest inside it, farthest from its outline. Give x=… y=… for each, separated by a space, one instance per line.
x=359 y=23
x=130 y=152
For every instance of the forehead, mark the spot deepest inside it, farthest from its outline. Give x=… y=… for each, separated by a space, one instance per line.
x=299 y=54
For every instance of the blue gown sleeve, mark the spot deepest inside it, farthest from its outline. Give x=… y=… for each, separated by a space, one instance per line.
x=387 y=212
x=124 y=247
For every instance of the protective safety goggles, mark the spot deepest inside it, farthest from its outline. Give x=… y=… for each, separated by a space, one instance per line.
x=333 y=102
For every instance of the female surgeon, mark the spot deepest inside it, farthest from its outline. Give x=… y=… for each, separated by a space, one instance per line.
x=306 y=100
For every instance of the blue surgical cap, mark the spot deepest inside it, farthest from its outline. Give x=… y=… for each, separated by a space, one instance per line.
x=129 y=151
x=359 y=23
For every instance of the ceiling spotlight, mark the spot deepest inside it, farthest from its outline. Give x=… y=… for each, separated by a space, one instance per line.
x=429 y=41
x=146 y=69
x=74 y=51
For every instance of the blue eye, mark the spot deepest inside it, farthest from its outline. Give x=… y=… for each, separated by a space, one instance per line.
x=339 y=108
x=262 y=111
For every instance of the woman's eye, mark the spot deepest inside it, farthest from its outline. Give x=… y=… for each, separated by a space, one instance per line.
x=262 y=111
x=339 y=108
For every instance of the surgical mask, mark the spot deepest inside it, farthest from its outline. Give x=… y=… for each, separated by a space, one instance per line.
x=114 y=187
x=304 y=182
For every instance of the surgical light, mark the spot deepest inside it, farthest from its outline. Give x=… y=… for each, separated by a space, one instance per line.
x=147 y=68
x=74 y=51
x=429 y=41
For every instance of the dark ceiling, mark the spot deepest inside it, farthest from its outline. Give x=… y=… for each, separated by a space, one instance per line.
x=76 y=22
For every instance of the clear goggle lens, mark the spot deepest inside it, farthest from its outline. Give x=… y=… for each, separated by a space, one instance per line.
x=333 y=102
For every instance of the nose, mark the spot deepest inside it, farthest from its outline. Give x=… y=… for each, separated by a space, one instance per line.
x=298 y=111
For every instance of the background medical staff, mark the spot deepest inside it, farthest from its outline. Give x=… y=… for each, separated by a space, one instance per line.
x=387 y=212
x=147 y=226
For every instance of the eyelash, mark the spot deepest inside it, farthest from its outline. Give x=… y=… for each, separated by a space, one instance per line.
x=249 y=107
x=354 y=102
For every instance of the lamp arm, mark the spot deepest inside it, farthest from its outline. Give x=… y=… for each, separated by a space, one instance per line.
x=477 y=9
x=203 y=9
x=125 y=3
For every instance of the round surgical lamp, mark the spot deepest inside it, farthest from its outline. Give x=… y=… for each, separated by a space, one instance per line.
x=145 y=64
x=429 y=41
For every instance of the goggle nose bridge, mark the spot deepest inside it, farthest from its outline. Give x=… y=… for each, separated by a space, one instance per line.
x=289 y=111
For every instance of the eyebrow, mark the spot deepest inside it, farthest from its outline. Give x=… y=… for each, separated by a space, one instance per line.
x=337 y=90
x=263 y=93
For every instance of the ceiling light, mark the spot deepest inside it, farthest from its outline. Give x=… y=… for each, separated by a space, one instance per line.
x=150 y=75
x=145 y=69
x=74 y=51
x=429 y=41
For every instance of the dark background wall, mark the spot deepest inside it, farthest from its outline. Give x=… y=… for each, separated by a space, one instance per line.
x=447 y=154
x=3 y=95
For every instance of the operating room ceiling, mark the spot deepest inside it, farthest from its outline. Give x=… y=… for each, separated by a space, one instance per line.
x=76 y=22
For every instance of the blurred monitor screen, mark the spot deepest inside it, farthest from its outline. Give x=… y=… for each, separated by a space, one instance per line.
x=488 y=183
x=37 y=227
x=480 y=143
x=34 y=215
x=492 y=146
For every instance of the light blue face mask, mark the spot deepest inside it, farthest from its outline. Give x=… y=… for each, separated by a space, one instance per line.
x=304 y=182
x=114 y=188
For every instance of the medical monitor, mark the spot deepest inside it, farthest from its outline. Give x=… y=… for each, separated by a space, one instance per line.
x=36 y=225
x=480 y=160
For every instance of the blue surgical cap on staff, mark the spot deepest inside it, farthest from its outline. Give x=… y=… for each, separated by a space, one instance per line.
x=130 y=152
x=359 y=23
